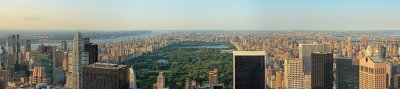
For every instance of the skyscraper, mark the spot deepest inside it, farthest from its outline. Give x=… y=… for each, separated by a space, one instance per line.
x=105 y=76
x=305 y=51
x=307 y=81
x=347 y=73
x=132 y=79
x=160 y=84
x=349 y=48
x=293 y=73
x=322 y=70
x=372 y=73
x=278 y=79
x=213 y=76
x=3 y=57
x=27 y=49
x=38 y=76
x=382 y=51
x=13 y=51
x=64 y=61
x=64 y=46
x=78 y=58
x=92 y=49
x=249 y=69
x=2 y=84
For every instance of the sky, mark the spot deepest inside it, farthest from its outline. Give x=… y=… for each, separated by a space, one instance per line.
x=200 y=14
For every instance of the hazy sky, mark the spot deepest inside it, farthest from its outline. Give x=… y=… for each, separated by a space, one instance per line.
x=200 y=14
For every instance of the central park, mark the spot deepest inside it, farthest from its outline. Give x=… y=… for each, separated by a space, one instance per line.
x=180 y=61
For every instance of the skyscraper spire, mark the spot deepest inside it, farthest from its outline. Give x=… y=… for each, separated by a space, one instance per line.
x=78 y=59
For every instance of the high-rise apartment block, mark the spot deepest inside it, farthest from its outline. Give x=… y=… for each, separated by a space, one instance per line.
x=160 y=84
x=349 y=48
x=38 y=76
x=293 y=73
x=213 y=76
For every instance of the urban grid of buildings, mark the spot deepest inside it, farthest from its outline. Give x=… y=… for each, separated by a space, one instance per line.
x=261 y=60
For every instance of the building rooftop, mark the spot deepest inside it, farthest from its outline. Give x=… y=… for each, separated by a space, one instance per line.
x=322 y=52
x=106 y=66
x=376 y=59
x=248 y=53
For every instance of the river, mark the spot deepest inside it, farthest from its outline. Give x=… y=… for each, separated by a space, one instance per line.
x=34 y=46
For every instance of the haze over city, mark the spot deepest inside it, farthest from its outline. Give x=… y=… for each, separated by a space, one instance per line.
x=199 y=44
x=199 y=15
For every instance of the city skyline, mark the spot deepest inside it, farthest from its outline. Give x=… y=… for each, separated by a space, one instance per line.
x=199 y=15
x=199 y=44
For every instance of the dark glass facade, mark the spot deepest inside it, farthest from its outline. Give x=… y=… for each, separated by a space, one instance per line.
x=249 y=72
x=105 y=76
x=322 y=70
x=92 y=49
x=347 y=71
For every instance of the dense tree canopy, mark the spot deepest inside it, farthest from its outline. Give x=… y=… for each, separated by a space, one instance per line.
x=194 y=63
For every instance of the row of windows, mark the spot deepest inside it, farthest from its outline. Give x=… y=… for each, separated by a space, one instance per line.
x=373 y=70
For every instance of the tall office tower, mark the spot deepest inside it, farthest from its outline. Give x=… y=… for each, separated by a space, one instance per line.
x=389 y=75
x=3 y=57
x=279 y=79
x=293 y=73
x=305 y=51
x=64 y=46
x=28 y=56
x=86 y=40
x=372 y=73
x=27 y=48
x=249 y=69
x=92 y=49
x=2 y=84
x=13 y=51
x=338 y=52
x=42 y=49
x=105 y=76
x=363 y=42
x=347 y=73
x=65 y=60
x=58 y=55
x=322 y=70
x=160 y=84
x=56 y=62
x=38 y=76
x=213 y=76
x=382 y=51
x=349 y=48
x=132 y=79
x=343 y=47
x=395 y=50
x=77 y=59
